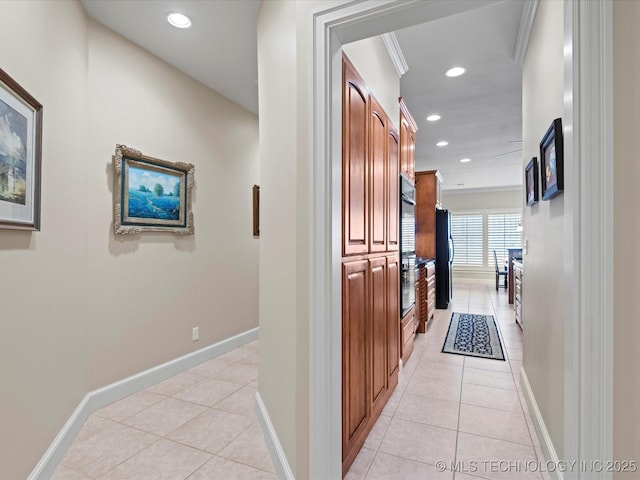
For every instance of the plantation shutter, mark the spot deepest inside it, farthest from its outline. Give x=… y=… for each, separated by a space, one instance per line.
x=502 y=234
x=466 y=231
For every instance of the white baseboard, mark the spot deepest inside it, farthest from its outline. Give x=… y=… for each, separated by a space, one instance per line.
x=104 y=396
x=283 y=469
x=541 y=429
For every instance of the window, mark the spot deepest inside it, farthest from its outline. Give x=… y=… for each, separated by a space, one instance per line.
x=502 y=233
x=477 y=235
x=466 y=231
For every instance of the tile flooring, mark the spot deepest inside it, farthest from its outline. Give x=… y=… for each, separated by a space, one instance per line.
x=464 y=413
x=198 y=425
x=201 y=425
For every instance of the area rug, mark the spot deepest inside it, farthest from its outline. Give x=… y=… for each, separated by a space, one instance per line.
x=475 y=335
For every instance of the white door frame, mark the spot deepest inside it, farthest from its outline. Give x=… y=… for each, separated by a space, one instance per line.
x=588 y=219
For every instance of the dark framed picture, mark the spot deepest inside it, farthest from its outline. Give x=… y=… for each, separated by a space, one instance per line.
x=256 y=210
x=552 y=161
x=151 y=194
x=531 y=182
x=20 y=156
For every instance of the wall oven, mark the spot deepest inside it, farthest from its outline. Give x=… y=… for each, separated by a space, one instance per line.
x=407 y=245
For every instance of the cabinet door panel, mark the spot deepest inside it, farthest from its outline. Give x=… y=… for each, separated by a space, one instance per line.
x=355 y=357
x=393 y=320
x=377 y=177
x=378 y=329
x=354 y=163
x=393 y=169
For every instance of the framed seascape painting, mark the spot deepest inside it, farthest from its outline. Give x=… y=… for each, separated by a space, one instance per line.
x=552 y=161
x=531 y=182
x=151 y=194
x=20 y=156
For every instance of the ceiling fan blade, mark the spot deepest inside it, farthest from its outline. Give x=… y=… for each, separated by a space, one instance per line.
x=507 y=153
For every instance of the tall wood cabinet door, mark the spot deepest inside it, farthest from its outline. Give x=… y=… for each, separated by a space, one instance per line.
x=408 y=129
x=378 y=329
x=404 y=150
x=355 y=118
x=356 y=331
x=393 y=320
x=393 y=169
x=377 y=177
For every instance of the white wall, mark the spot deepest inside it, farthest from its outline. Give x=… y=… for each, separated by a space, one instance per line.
x=80 y=307
x=543 y=310
x=278 y=244
x=372 y=61
x=148 y=292
x=458 y=201
x=626 y=393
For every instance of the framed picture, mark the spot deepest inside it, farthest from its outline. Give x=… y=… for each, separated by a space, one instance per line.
x=151 y=194
x=552 y=160
x=256 y=211
x=20 y=156
x=531 y=182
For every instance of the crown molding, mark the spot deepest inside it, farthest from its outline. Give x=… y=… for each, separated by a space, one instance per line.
x=395 y=52
x=524 y=30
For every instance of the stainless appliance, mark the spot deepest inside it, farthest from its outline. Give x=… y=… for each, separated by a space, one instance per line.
x=407 y=245
x=445 y=251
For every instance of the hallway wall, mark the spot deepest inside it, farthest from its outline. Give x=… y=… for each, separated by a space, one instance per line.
x=80 y=307
x=43 y=281
x=543 y=288
x=372 y=61
x=626 y=380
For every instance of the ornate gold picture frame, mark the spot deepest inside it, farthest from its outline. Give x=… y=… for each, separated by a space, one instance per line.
x=150 y=194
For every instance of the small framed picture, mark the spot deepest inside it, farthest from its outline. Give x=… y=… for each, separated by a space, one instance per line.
x=531 y=182
x=552 y=161
x=20 y=156
x=151 y=194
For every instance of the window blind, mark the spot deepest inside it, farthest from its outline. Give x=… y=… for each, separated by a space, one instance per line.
x=466 y=230
x=502 y=234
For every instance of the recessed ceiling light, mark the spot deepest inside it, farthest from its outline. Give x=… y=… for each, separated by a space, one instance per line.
x=465 y=160
x=433 y=118
x=442 y=143
x=179 y=20
x=455 y=71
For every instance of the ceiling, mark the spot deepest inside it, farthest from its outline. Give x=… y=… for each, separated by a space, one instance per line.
x=481 y=110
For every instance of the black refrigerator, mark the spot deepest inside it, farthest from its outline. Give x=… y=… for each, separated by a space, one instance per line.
x=444 y=259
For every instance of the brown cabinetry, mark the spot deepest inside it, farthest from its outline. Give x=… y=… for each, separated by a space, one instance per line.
x=427 y=200
x=408 y=328
x=431 y=290
x=370 y=263
x=425 y=295
x=408 y=129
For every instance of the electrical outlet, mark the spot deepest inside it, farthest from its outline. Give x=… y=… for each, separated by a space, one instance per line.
x=195 y=335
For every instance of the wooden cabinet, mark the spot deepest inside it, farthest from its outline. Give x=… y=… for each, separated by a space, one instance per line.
x=370 y=265
x=428 y=185
x=356 y=407
x=421 y=299
x=408 y=329
x=378 y=185
x=370 y=346
x=393 y=167
x=393 y=320
x=355 y=151
x=425 y=295
x=518 y=272
x=431 y=289
x=408 y=129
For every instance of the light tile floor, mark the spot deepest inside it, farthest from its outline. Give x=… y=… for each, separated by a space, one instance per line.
x=201 y=425
x=197 y=425
x=464 y=413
